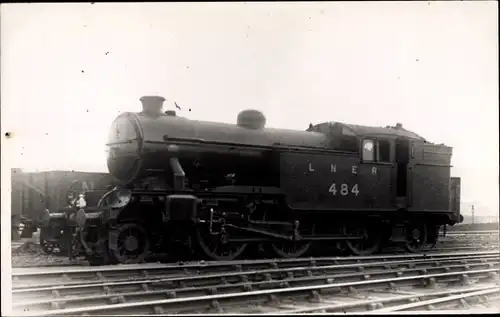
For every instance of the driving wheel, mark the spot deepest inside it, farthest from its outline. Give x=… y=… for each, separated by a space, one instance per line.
x=292 y=249
x=369 y=243
x=217 y=247
x=132 y=243
x=416 y=237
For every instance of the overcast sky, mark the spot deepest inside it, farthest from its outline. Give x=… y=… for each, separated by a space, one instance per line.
x=69 y=69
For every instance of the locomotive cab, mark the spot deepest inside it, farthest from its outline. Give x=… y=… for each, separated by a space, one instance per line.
x=395 y=167
x=395 y=153
x=419 y=170
x=384 y=157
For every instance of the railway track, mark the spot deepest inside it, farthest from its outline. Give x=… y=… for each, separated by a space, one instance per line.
x=477 y=232
x=26 y=261
x=409 y=301
x=458 y=244
x=451 y=311
x=229 y=286
x=471 y=236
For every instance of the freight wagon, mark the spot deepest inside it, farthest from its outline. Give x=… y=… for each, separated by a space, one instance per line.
x=32 y=193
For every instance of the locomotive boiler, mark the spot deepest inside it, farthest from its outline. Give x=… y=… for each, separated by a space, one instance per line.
x=144 y=144
x=219 y=188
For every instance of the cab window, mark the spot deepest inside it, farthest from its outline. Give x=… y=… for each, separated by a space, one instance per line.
x=384 y=151
x=368 y=150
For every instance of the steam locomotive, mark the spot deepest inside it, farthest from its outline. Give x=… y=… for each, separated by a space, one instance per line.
x=221 y=189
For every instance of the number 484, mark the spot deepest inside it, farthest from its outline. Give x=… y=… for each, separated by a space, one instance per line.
x=344 y=189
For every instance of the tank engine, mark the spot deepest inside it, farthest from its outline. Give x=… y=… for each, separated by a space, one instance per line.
x=219 y=188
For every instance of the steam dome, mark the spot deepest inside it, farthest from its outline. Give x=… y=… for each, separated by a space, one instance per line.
x=251 y=119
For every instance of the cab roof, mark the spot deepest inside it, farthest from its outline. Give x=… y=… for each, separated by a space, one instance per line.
x=388 y=131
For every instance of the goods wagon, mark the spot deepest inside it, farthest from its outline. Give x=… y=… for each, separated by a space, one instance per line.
x=33 y=193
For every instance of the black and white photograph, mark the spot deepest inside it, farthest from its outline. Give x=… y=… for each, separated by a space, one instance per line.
x=165 y=158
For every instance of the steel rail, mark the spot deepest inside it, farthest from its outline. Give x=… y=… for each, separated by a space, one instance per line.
x=147 y=289
x=443 y=246
x=339 y=268
x=217 y=301
x=416 y=300
x=458 y=247
x=432 y=302
x=450 y=239
x=490 y=310
x=469 y=241
x=67 y=284
x=477 y=232
x=73 y=275
x=80 y=263
x=20 y=272
x=471 y=238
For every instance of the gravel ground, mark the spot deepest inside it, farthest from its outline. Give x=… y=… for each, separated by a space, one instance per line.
x=31 y=255
x=28 y=253
x=473 y=227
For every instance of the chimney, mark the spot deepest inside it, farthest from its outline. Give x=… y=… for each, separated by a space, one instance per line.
x=399 y=126
x=152 y=105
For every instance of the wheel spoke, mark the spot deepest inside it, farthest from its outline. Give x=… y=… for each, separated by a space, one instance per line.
x=138 y=254
x=212 y=246
x=416 y=237
x=292 y=249
x=369 y=244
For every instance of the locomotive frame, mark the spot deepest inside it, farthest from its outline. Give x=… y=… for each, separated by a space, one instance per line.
x=356 y=187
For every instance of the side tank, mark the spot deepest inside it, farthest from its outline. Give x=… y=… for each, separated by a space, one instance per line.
x=145 y=141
